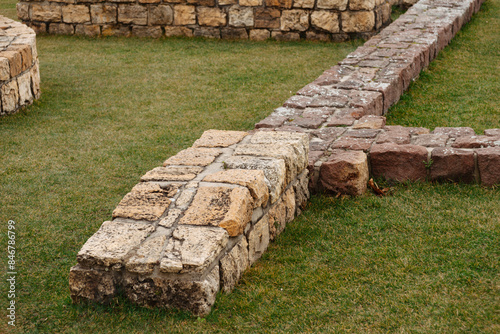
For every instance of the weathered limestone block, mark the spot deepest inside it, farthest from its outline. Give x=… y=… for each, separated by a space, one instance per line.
x=361 y=4
x=399 y=162
x=267 y=18
x=192 y=249
x=102 y=14
x=251 y=3
x=227 y=2
x=301 y=190
x=345 y=172
x=294 y=19
x=241 y=16
x=90 y=30
x=133 y=14
x=279 y=3
x=325 y=20
x=212 y=17
x=178 y=31
x=61 y=29
x=207 y=32
x=274 y=171
x=4 y=69
x=112 y=242
x=24 y=84
x=35 y=80
x=15 y=62
x=219 y=138
x=146 y=201
x=10 y=96
x=46 y=12
x=254 y=180
x=450 y=164
x=146 y=31
x=233 y=264
x=184 y=15
x=169 y=220
x=277 y=219
x=229 y=208
x=488 y=161
x=75 y=14
x=309 y=4
x=26 y=55
x=147 y=256
x=172 y=173
x=333 y=4
x=193 y=157
x=318 y=36
x=92 y=284
x=234 y=33
x=160 y=15
x=196 y=296
x=259 y=35
x=258 y=239
x=358 y=21
x=23 y=11
x=289 y=202
x=116 y=30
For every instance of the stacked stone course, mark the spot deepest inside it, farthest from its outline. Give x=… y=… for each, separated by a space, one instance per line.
x=324 y=20
x=19 y=75
x=193 y=226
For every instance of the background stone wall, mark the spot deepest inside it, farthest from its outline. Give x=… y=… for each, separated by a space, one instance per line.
x=325 y=20
x=19 y=76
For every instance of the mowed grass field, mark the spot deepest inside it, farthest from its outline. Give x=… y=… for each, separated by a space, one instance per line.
x=423 y=260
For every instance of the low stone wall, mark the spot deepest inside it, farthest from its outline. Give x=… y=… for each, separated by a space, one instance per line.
x=325 y=20
x=193 y=226
x=335 y=111
x=19 y=75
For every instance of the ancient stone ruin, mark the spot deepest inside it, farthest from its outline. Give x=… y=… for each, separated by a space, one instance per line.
x=19 y=75
x=191 y=227
x=324 y=20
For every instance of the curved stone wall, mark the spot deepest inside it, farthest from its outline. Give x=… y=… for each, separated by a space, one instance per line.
x=325 y=20
x=19 y=75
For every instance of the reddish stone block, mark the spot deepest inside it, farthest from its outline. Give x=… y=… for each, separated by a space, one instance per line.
x=449 y=164
x=351 y=143
x=297 y=101
x=329 y=101
x=308 y=123
x=322 y=112
x=271 y=122
x=370 y=122
x=492 y=132
x=362 y=133
x=454 y=132
x=333 y=75
x=312 y=89
x=476 y=141
x=328 y=133
x=340 y=121
x=396 y=136
x=488 y=161
x=371 y=102
x=399 y=162
x=431 y=140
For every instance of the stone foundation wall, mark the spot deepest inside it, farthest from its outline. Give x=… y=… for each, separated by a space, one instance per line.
x=19 y=75
x=325 y=20
x=192 y=227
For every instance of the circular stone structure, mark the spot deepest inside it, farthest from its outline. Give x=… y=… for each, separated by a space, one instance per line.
x=19 y=74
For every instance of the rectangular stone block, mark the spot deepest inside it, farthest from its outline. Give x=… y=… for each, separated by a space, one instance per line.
x=90 y=30
x=219 y=138
x=24 y=85
x=399 y=162
x=233 y=264
x=229 y=208
x=294 y=19
x=193 y=157
x=26 y=55
x=258 y=239
x=340 y=5
x=147 y=32
x=160 y=15
x=345 y=172
x=449 y=164
x=88 y=284
x=9 y=93
x=75 y=14
x=147 y=256
x=488 y=161
x=4 y=68
x=193 y=249
x=133 y=14
x=112 y=242
x=361 y=21
x=212 y=17
x=172 y=173
x=241 y=16
x=46 y=12
x=15 y=62
x=103 y=14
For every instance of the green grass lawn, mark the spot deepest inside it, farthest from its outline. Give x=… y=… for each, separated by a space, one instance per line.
x=423 y=260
